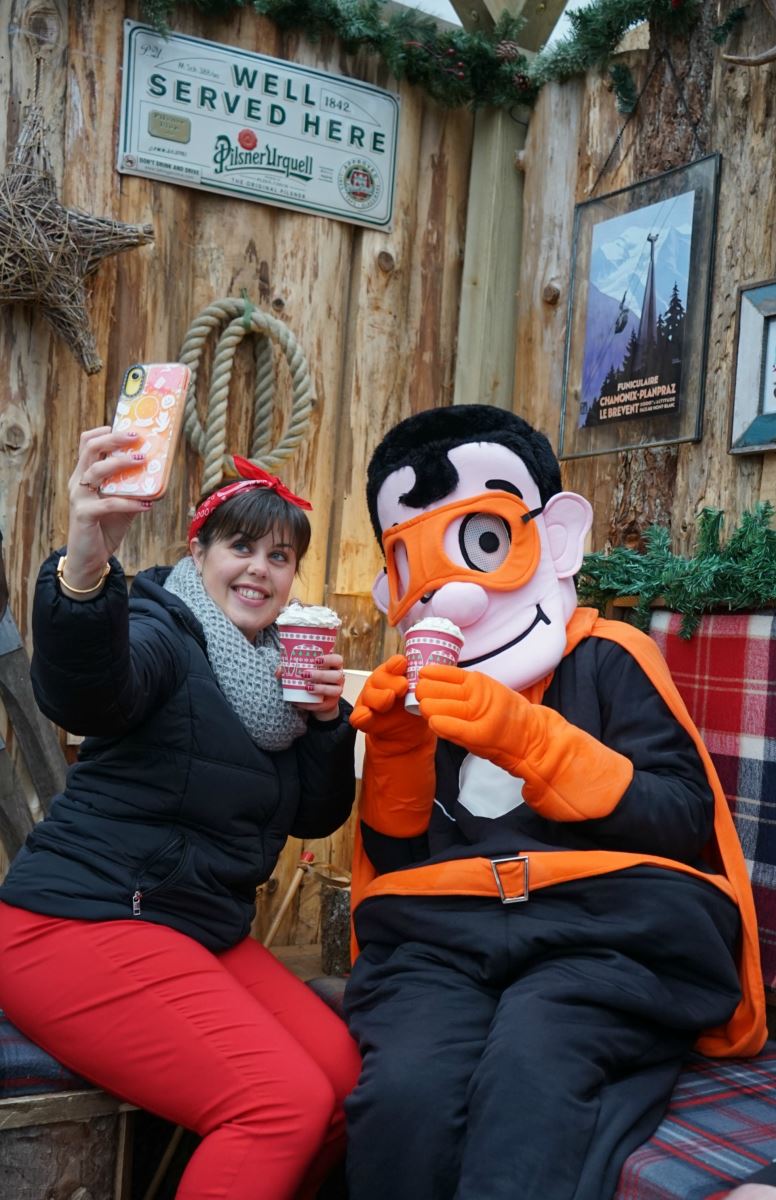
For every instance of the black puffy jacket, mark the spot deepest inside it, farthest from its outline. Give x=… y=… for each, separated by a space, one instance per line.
x=172 y=813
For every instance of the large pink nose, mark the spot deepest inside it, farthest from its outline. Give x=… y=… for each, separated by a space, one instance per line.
x=462 y=603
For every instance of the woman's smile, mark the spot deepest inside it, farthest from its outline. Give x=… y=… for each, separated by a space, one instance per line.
x=252 y=603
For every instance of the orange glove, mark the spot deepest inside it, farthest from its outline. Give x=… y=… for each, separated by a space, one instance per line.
x=399 y=777
x=569 y=775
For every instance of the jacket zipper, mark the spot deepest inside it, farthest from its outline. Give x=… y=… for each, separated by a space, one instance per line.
x=137 y=895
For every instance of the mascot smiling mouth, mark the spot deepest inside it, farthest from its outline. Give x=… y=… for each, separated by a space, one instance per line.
x=540 y=616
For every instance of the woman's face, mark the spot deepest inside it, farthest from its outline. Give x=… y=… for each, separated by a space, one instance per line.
x=248 y=579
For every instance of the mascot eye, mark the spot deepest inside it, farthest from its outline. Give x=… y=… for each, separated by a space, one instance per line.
x=484 y=541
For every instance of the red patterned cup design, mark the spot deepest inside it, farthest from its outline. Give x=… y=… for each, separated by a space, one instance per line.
x=428 y=646
x=300 y=646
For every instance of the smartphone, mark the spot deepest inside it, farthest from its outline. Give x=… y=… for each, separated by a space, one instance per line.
x=151 y=402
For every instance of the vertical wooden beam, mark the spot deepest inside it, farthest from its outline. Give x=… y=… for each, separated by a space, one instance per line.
x=768 y=480
x=540 y=16
x=485 y=362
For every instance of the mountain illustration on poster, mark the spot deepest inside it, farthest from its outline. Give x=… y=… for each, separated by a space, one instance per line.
x=638 y=283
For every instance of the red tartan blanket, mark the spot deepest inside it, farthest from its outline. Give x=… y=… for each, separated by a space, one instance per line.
x=720 y=1129
x=726 y=674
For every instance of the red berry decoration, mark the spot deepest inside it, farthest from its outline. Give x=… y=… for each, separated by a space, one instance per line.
x=247 y=139
x=521 y=82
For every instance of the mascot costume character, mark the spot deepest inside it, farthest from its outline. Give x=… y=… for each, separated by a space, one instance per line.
x=551 y=907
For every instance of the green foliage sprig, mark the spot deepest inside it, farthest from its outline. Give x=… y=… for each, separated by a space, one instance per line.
x=624 y=88
x=722 y=32
x=597 y=30
x=737 y=576
x=455 y=67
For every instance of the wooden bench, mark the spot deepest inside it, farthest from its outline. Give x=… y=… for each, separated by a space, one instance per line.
x=60 y=1138
x=721 y=1124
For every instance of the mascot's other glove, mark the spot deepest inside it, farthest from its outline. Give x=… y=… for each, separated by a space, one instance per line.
x=380 y=713
x=569 y=775
x=399 y=778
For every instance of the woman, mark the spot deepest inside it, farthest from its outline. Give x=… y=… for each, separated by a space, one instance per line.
x=124 y=919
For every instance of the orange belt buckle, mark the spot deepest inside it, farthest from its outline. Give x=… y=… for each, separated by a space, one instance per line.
x=495 y=863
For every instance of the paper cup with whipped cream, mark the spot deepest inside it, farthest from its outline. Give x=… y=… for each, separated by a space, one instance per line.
x=432 y=640
x=306 y=631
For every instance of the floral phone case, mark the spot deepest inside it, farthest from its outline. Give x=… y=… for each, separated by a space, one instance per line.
x=151 y=401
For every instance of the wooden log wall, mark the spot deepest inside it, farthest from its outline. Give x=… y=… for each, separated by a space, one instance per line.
x=376 y=314
x=571 y=135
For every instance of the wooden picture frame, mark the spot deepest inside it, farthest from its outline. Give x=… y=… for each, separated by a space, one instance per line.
x=753 y=401
x=642 y=261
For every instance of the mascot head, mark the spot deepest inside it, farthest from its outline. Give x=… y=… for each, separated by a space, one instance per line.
x=468 y=506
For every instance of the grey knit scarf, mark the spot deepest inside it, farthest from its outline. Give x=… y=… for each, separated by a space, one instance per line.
x=245 y=671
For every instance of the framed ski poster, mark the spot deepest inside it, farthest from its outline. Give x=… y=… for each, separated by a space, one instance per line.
x=636 y=336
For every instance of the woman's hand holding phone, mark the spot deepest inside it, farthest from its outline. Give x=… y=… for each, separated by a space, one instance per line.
x=123 y=469
x=98 y=523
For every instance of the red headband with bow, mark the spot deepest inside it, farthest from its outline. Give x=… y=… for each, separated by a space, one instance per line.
x=251 y=477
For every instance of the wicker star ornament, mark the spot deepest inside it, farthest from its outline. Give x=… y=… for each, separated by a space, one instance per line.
x=47 y=250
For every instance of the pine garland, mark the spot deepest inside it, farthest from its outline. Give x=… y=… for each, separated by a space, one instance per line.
x=624 y=88
x=722 y=32
x=455 y=67
x=599 y=27
x=459 y=68
x=741 y=575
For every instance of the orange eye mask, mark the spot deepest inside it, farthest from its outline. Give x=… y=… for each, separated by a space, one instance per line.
x=496 y=536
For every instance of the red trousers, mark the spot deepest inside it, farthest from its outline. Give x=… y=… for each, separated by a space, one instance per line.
x=230 y=1045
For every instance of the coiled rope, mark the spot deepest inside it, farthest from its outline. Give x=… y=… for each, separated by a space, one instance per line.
x=210 y=442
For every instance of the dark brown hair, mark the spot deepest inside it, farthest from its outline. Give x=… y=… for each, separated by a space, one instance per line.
x=422 y=442
x=254 y=514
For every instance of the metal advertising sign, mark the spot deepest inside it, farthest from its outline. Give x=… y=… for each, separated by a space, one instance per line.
x=227 y=120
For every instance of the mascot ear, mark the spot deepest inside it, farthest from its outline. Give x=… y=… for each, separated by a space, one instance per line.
x=380 y=592
x=567 y=519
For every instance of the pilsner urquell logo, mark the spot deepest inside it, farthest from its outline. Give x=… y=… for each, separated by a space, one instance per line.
x=230 y=157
